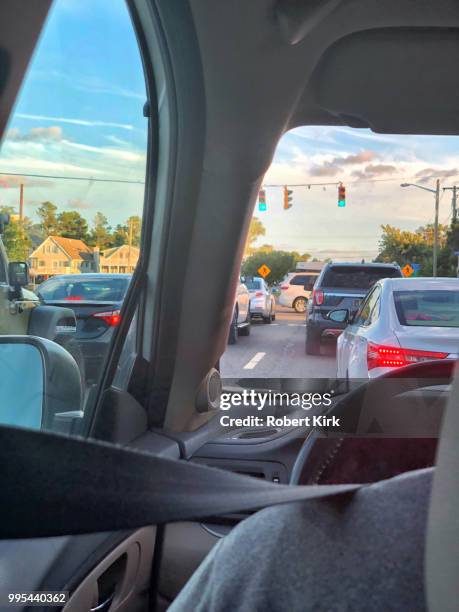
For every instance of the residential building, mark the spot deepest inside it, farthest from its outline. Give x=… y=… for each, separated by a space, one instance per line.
x=119 y=260
x=58 y=255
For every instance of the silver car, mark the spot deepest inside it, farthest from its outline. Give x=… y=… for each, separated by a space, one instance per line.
x=262 y=302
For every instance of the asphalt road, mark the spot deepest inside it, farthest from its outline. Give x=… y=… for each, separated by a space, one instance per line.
x=277 y=351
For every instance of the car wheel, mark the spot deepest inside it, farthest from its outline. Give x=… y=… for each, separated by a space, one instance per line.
x=232 y=336
x=71 y=346
x=312 y=343
x=245 y=331
x=269 y=318
x=299 y=304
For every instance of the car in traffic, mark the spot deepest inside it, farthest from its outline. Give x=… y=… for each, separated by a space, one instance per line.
x=401 y=321
x=96 y=300
x=240 y=321
x=296 y=289
x=340 y=285
x=262 y=302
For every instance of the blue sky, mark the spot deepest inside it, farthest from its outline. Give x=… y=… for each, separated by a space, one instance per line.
x=79 y=114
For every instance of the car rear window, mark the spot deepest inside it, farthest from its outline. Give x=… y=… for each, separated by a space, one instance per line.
x=352 y=277
x=253 y=285
x=428 y=308
x=94 y=290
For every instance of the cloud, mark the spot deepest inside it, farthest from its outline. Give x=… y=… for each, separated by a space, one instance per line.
x=72 y=121
x=375 y=170
x=359 y=158
x=53 y=132
x=429 y=174
x=334 y=166
x=327 y=168
x=8 y=181
x=77 y=204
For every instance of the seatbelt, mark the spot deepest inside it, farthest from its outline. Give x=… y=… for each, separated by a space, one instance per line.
x=53 y=485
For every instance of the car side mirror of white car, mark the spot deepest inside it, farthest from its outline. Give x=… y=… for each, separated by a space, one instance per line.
x=339 y=316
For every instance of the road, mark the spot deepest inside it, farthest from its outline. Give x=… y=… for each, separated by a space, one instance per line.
x=277 y=351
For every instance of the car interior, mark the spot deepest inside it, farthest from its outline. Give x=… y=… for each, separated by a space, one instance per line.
x=114 y=503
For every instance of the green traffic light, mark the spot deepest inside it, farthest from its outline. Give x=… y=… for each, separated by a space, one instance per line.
x=341 y=203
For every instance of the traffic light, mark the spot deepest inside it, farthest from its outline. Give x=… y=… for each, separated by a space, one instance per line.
x=262 y=200
x=287 y=198
x=341 y=195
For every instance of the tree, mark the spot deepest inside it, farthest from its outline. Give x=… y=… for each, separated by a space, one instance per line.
x=134 y=226
x=100 y=234
x=15 y=236
x=119 y=236
x=48 y=219
x=256 y=229
x=71 y=224
x=279 y=262
x=404 y=247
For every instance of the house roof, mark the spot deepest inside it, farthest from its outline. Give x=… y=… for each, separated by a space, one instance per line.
x=109 y=252
x=75 y=249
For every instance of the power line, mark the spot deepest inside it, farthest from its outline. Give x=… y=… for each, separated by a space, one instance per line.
x=334 y=183
x=74 y=178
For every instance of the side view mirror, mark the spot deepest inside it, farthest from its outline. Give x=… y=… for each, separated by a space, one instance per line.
x=18 y=274
x=53 y=382
x=242 y=279
x=339 y=316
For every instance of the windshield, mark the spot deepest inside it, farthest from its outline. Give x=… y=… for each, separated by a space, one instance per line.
x=349 y=277
x=91 y=290
x=253 y=285
x=428 y=308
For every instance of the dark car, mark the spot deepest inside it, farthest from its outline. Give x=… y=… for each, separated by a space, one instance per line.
x=96 y=300
x=340 y=285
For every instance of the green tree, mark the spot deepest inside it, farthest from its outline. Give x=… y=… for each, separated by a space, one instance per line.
x=15 y=236
x=47 y=213
x=134 y=226
x=279 y=262
x=71 y=224
x=256 y=229
x=405 y=247
x=100 y=234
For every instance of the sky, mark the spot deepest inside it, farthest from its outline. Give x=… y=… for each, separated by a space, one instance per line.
x=371 y=167
x=79 y=114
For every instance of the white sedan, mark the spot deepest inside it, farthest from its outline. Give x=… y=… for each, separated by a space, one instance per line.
x=401 y=321
x=262 y=303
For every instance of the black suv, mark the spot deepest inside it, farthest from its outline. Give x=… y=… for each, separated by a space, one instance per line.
x=340 y=285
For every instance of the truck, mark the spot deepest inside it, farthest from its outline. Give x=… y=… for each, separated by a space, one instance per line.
x=22 y=313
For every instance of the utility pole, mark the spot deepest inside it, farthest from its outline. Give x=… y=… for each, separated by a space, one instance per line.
x=130 y=243
x=453 y=202
x=435 y=191
x=21 y=202
x=435 y=249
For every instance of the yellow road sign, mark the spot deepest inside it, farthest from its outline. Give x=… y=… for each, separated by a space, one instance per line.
x=264 y=270
x=407 y=270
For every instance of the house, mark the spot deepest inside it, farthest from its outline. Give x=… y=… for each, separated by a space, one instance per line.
x=58 y=255
x=119 y=260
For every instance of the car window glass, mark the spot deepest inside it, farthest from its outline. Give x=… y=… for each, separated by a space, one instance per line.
x=72 y=174
x=299 y=279
x=364 y=315
x=356 y=277
x=427 y=308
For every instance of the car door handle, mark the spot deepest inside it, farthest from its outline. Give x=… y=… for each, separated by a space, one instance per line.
x=104 y=605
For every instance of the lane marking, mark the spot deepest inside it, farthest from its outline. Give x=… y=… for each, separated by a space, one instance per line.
x=253 y=362
x=296 y=324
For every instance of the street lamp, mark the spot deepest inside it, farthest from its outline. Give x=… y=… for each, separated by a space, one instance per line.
x=436 y=191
